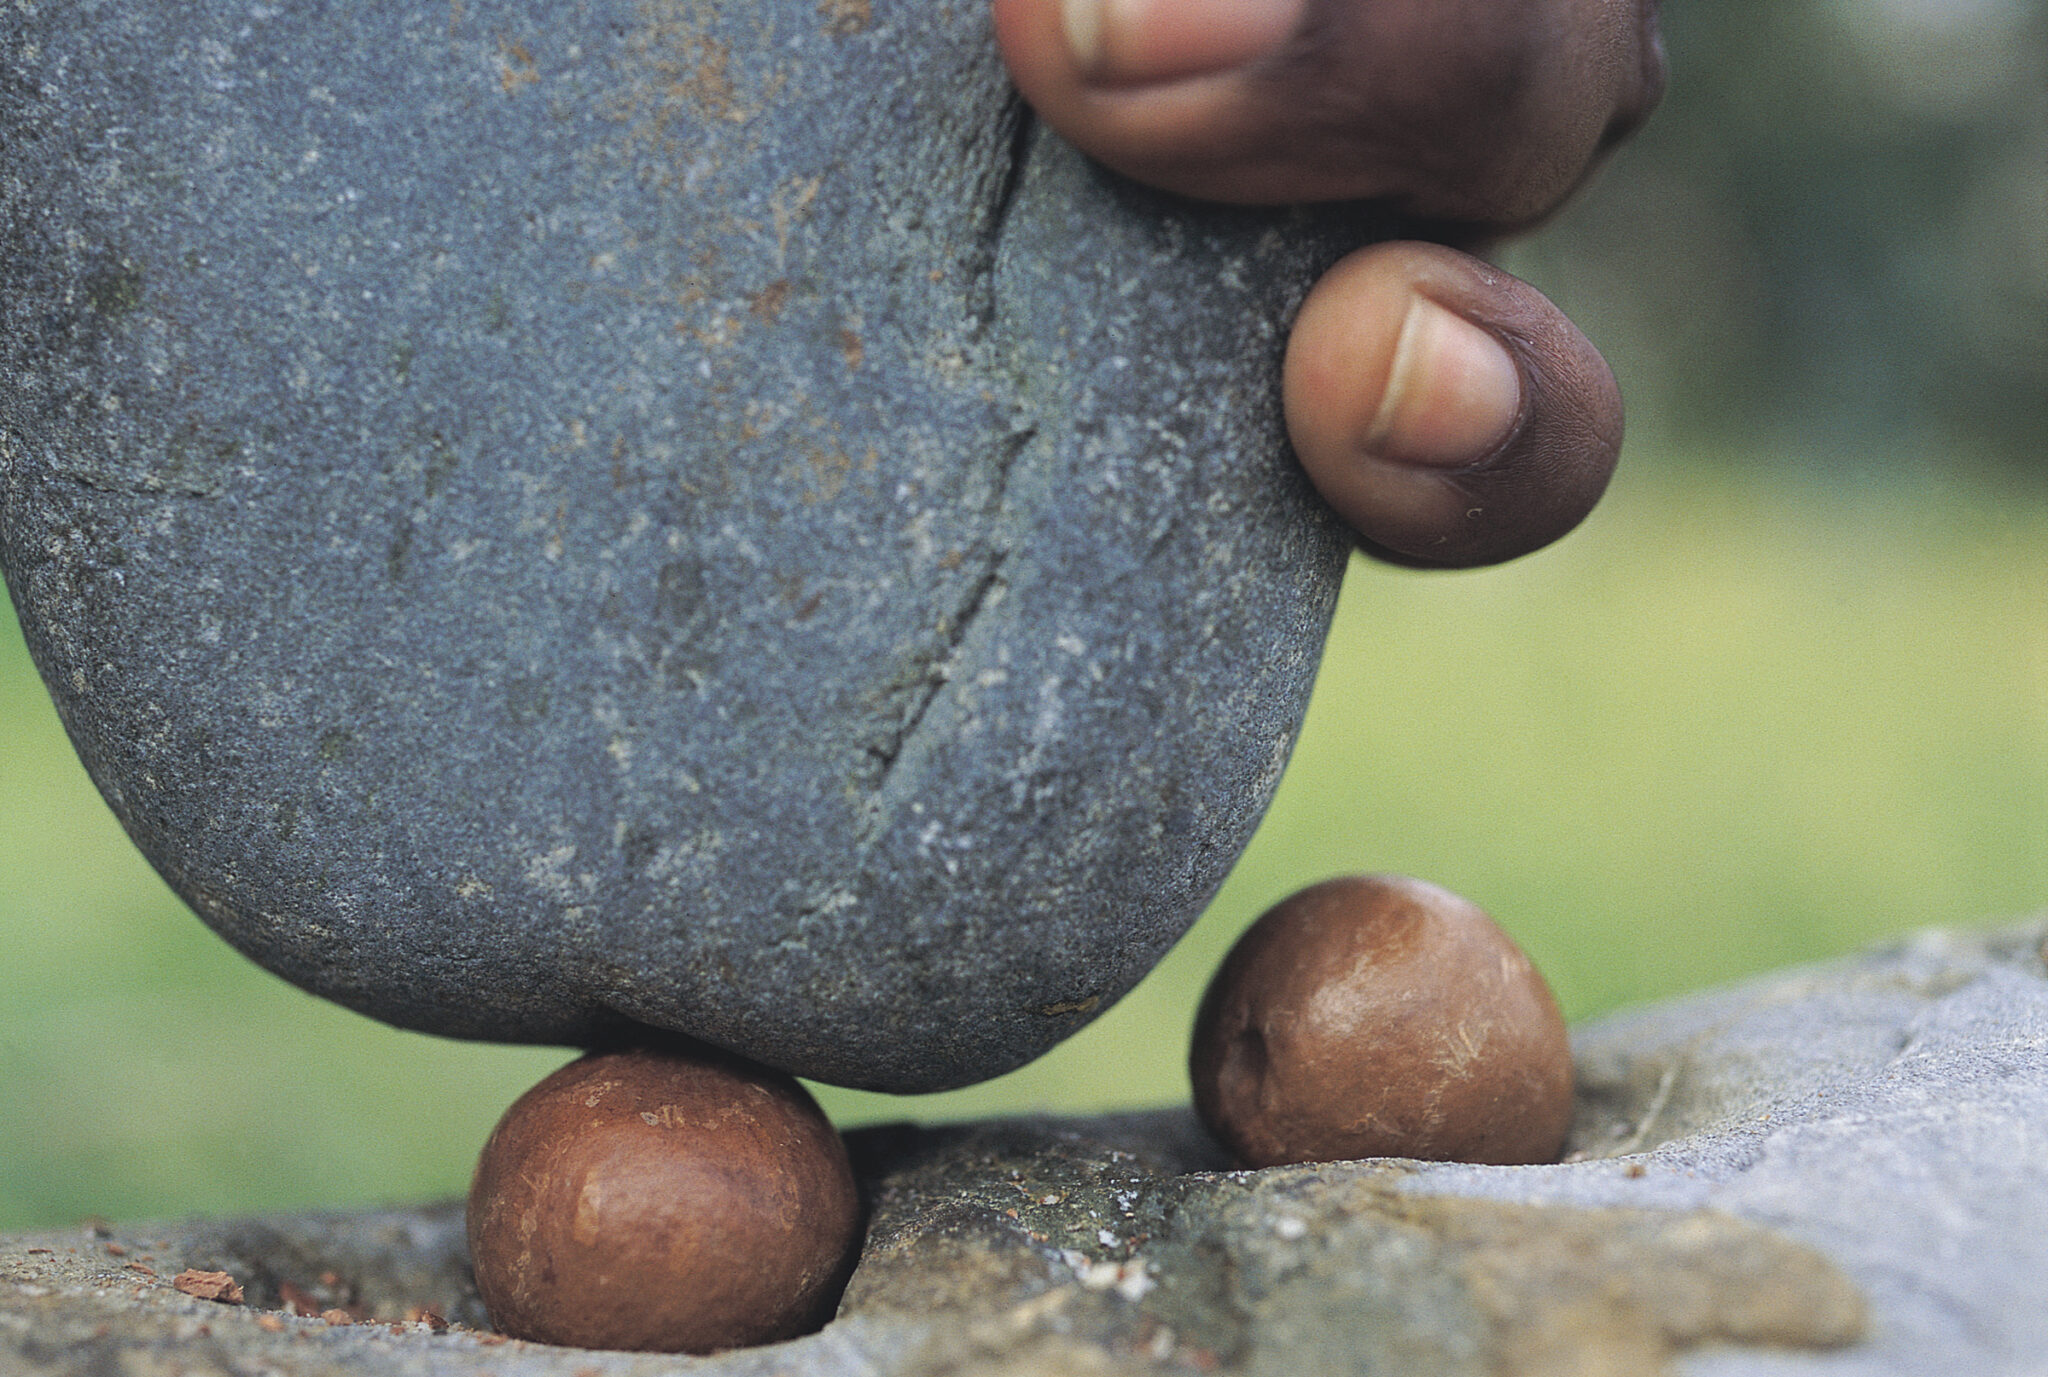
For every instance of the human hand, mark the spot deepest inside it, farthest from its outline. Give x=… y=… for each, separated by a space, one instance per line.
x=1448 y=411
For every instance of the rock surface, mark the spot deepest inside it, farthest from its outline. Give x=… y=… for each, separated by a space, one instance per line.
x=1833 y=1171
x=555 y=515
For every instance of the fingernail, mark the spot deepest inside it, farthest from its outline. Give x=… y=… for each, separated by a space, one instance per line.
x=1453 y=392
x=1129 y=42
x=1083 y=22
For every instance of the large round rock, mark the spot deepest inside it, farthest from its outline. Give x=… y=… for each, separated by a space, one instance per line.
x=551 y=515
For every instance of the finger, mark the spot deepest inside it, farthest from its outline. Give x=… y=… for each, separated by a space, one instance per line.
x=1446 y=409
x=1479 y=111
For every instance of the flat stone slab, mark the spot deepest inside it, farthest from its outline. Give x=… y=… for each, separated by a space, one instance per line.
x=549 y=516
x=1835 y=1170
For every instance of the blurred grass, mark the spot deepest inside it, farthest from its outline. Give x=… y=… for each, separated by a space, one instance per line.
x=1741 y=719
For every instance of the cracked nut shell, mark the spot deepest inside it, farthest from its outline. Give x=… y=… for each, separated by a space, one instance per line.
x=669 y=1200
x=1381 y=1016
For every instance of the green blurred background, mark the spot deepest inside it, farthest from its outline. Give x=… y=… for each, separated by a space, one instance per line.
x=1786 y=692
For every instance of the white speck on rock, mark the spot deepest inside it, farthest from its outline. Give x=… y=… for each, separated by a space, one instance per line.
x=1131 y=1280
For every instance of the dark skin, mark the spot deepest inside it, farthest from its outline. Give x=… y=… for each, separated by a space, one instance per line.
x=1447 y=410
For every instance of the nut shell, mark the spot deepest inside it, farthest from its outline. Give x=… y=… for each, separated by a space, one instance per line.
x=1381 y=1016
x=678 y=1201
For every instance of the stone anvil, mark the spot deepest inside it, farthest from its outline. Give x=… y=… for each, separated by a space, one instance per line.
x=1832 y=1171
x=551 y=518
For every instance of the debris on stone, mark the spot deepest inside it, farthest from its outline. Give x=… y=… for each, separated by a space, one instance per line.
x=213 y=1286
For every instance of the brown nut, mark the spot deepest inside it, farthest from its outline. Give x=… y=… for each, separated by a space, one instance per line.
x=1379 y=1016
x=676 y=1201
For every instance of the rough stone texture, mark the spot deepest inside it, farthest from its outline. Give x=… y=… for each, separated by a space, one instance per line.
x=1834 y=1171
x=547 y=515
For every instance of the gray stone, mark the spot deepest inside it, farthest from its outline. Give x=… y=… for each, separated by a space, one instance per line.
x=1829 y=1172
x=553 y=516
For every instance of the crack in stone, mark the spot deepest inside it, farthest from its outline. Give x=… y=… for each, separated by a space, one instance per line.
x=148 y=485
x=1015 y=130
x=886 y=758
x=1012 y=136
x=939 y=669
x=16 y=466
x=960 y=622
